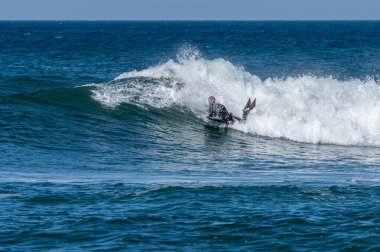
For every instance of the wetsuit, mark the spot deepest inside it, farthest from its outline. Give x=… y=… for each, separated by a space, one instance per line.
x=219 y=112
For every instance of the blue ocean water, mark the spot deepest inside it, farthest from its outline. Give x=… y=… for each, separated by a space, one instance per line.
x=104 y=147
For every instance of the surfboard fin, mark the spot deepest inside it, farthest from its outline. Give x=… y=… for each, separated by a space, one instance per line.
x=253 y=105
x=248 y=107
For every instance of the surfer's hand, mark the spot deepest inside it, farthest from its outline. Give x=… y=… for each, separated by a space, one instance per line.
x=246 y=110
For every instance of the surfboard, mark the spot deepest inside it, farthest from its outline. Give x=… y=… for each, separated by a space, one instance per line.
x=215 y=123
x=248 y=107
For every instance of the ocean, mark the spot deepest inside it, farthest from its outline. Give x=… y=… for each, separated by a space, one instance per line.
x=104 y=147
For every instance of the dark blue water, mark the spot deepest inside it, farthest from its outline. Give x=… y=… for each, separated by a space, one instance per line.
x=103 y=145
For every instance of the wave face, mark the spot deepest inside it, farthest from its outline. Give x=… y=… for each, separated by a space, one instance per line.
x=306 y=108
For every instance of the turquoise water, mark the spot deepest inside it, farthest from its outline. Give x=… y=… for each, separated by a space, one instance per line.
x=104 y=147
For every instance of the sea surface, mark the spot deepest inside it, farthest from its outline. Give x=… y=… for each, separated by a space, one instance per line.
x=103 y=146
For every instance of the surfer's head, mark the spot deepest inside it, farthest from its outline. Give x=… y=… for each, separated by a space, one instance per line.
x=211 y=100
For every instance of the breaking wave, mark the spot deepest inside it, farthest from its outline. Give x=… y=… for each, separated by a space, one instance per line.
x=306 y=109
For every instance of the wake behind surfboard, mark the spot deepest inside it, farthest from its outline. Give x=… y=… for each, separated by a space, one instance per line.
x=248 y=108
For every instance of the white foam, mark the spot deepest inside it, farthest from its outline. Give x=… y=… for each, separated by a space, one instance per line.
x=306 y=109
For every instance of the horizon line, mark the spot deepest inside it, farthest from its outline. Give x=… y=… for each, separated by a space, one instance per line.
x=186 y=20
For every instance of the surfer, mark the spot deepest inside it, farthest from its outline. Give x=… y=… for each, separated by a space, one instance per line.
x=218 y=112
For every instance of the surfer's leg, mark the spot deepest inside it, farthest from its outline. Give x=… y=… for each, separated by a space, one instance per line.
x=237 y=118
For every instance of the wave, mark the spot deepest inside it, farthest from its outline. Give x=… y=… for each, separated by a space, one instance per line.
x=305 y=109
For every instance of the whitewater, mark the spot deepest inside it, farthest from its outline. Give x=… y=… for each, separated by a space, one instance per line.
x=310 y=109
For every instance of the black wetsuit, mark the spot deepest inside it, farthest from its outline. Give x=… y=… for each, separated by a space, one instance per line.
x=218 y=111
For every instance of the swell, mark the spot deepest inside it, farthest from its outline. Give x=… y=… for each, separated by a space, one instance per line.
x=69 y=119
x=80 y=99
x=27 y=84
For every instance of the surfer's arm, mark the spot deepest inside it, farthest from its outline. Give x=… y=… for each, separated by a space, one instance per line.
x=237 y=118
x=211 y=113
